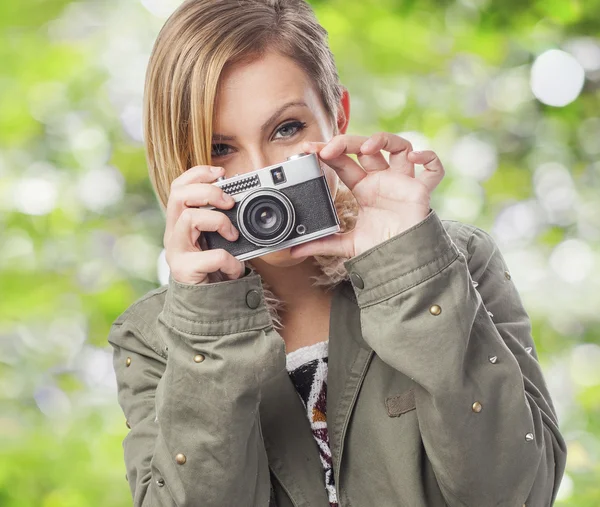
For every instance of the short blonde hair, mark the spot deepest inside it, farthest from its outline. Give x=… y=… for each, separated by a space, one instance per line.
x=198 y=41
x=195 y=46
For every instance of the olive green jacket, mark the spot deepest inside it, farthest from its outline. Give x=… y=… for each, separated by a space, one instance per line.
x=435 y=396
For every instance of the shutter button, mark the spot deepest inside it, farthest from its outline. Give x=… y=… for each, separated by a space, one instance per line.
x=253 y=299
x=357 y=281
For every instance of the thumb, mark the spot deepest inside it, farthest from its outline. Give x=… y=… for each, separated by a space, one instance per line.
x=338 y=244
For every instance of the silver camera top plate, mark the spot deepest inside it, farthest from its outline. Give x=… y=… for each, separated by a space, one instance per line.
x=297 y=169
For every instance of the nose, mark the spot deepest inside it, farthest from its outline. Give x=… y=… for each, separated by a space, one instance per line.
x=259 y=159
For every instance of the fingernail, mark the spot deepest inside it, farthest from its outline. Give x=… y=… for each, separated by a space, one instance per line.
x=417 y=152
x=216 y=170
x=367 y=145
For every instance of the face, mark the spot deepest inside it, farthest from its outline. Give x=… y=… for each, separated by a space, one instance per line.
x=265 y=110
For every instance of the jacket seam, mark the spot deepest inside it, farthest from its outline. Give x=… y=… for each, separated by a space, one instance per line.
x=142 y=335
x=219 y=321
x=460 y=237
x=492 y=253
x=413 y=270
x=215 y=285
x=154 y=293
x=201 y=333
x=395 y=238
x=415 y=284
x=469 y=245
x=350 y=409
x=131 y=310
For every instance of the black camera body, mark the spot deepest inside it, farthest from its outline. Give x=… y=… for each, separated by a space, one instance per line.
x=277 y=207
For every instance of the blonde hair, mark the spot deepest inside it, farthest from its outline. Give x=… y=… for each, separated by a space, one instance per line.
x=197 y=43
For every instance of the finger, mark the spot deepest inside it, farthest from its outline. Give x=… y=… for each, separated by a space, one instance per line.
x=338 y=244
x=375 y=162
x=210 y=261
x=192 y=222
x=192 y=196
x=349 y=171
x=433 y=172
x=396 y=146
x=191 y=264
x=196 y=195
x=312 y=146
x=342 y=144
x=198 y=174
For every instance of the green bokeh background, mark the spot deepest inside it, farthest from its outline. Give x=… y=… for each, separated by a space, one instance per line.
x=81 y=232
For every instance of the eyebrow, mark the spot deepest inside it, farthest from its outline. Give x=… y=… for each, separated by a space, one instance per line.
x=218 y=138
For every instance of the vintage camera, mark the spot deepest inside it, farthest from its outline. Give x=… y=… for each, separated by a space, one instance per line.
x=277 y=207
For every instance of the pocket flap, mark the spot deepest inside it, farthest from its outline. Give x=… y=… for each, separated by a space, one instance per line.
x=398 y=405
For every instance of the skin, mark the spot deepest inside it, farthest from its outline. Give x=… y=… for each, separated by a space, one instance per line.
x=268 y=109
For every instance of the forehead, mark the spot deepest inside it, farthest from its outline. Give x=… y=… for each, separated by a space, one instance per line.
x=252 y=90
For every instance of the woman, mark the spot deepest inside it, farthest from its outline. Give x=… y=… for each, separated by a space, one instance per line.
x=390 y=364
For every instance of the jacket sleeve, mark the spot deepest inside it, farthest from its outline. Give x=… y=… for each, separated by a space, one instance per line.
x=455 y=325
x=192 y=407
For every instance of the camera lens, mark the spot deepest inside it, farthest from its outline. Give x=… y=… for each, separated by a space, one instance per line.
x=266 y=217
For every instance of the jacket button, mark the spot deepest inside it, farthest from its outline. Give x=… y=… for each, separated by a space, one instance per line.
x=357 y=281
x=180 y=458
x=253 y=299
x=127 y=424
x=435 y=310
x=507 y=275
x=529 y=437
x=127 y=361
x=477 y=407
x=198 y=358
x=160 y=482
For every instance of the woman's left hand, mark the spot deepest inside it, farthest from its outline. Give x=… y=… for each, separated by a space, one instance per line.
x=390 y=198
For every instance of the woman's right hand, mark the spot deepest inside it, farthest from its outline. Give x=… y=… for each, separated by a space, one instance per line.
x=188 y=263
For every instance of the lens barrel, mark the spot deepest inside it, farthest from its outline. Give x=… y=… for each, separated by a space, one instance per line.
x=266 y=217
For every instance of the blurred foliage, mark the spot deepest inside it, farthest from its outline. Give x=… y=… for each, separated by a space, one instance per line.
x=81 y=231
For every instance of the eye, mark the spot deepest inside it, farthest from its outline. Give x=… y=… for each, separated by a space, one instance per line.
x=289 y=129
x=220 y=150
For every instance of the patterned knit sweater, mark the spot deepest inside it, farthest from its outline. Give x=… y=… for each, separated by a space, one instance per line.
x=307 y=368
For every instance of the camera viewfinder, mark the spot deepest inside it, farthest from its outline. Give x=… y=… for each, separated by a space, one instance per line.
x=278 y=175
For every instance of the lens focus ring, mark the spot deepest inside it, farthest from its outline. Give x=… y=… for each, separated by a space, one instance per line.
x=266 y=217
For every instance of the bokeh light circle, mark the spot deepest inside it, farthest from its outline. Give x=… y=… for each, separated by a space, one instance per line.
x=557 y=78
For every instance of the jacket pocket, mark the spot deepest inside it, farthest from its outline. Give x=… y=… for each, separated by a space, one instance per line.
x=398 y=405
